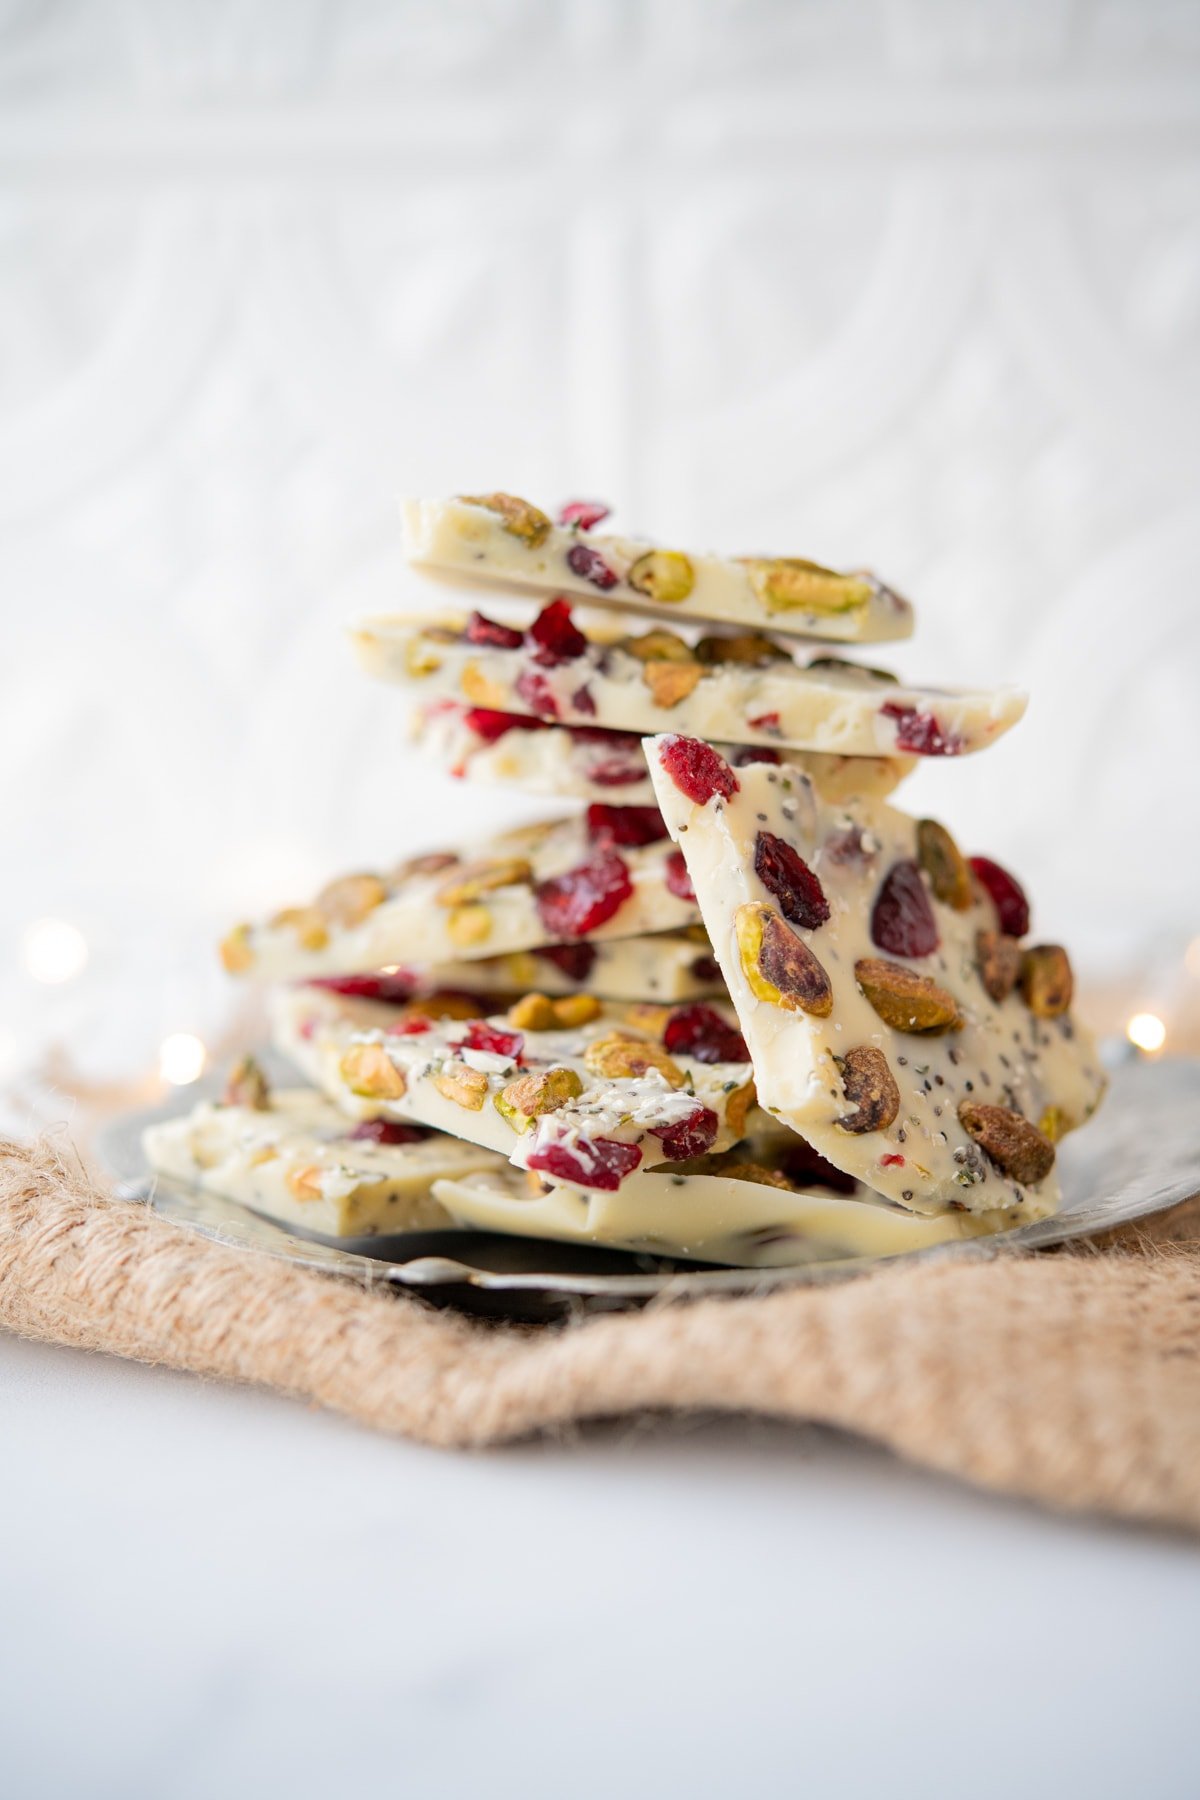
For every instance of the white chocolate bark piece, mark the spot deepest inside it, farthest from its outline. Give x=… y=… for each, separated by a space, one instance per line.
x=541 y=884
x=670 y=965
x=586 y=763
x=718 y=1217
x=820 y=917
x=589 y=1104
x=297 y=1159
x=506 y=543
x=829 y=705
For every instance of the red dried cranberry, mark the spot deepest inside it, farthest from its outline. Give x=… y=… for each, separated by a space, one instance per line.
x=603 y=1163
x=415 y=1027
x=482 y=1036
x=921 y=734
x=575 y=961
x=604 y=739
x=585 y=515
x=803 y=1164
x=386 y=1131
x=754 y=753
x=1008 y=896
x=614 y=774
x=585 y=898
x=786 y=875
x=705 y=968
x=490 y=725
x=902 y=918
x=699 y=1031
x=582 y=701
x=625 y=825
x=534 y=690
x=768 y=722
x=394 y=988
x=619 y=761
x=697 y=770
x=554 y=638
x=847 y=846
x=688 y=1137
x=481 y=630
x=589 y=565
x=679 y=882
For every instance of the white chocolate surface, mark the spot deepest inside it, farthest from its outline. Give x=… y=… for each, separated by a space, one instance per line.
x=581 y=764
x=1001 y=1055
x=843 y=710
x=412 y=927
x=711 y=1218
x=296 y=1162
x=316 y=1031
x=666 y=965
x=466 y=542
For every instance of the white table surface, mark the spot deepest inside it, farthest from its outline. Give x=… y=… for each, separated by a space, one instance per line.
x=207 y=1591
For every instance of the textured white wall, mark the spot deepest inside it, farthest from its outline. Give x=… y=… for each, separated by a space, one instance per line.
x=897 y=281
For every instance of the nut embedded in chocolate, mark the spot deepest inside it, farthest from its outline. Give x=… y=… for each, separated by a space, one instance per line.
x=905 y=1000
x=518 y=517
x=1017 y=1148
x=663 y=575
x=778 y=965
x=944 y=864
x=870 y=1086
x=1047 y=984
x=999 y=962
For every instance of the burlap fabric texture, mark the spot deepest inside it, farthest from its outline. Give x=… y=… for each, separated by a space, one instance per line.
x=1071 y=1378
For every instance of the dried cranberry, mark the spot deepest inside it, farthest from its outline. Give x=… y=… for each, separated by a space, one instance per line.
x=386 y=1131
x=554 y=638
x=902 y=920
x=699 y=1031
x=697 y=770
x=490 y=725
x=614 y=774
x=688 y=1137
x=679 y=882
x=481 y=630
x=803 y=1164
x=535 y=691
x=788 y=877
x=847 y=846
x=754 y=753
x=582 y=701
x=587 y=563
x=1008 y=896
x=921 y=734
x=585 y=898
x=414 y=1027
x=394 y=988
x=482 y=1036
x=705 y=968
x=603 y=1163
x=768 y=722
x=619 y=761
x=575 y=961
x=585 y=515
x=625 y=825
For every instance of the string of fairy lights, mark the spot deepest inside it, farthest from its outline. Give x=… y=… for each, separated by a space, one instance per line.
x=55 y=952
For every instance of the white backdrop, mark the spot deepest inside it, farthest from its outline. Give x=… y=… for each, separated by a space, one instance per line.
x=892 y=281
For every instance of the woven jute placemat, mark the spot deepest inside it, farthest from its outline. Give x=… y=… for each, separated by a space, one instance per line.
x=1071 y=1378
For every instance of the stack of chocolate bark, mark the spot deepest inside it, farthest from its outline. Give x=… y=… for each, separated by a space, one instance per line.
x=736 y=1006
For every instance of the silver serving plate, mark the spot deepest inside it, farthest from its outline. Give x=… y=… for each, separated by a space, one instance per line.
x=1139 y=1156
